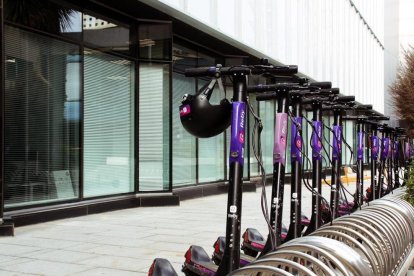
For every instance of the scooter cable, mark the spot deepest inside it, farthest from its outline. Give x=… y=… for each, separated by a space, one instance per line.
x=307 y=184
x=341 y=186
x=258 y=127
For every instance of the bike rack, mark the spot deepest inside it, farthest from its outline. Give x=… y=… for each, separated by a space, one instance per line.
x=376 y=240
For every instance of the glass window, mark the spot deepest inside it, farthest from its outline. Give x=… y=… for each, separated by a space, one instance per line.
x=108 y=124
x=349 y=138
x=155 y=41
x=46 y=16
x=254 y=166
x=41 y=101
x=106 y=35
x=154 y=127
x=184 y=144
x=327 y=142
x=267 y=113
x=211 y=150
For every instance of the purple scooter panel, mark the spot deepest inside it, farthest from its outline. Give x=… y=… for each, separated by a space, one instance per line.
x=279 y=149
x=385 y=148
x=337 y=142
x=360 y=146
x=374 y=147
x=316 y=141
x=296 y=140
x=238 y=133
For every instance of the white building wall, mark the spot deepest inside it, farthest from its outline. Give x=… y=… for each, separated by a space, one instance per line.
x=327 y=39
x=406 y=23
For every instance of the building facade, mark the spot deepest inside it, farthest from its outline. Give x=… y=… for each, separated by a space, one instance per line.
x=91 y=90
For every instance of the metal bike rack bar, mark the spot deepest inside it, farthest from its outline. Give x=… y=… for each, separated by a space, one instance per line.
x=378 y=239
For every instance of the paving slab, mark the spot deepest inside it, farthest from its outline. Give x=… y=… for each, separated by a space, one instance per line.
x=124 y=242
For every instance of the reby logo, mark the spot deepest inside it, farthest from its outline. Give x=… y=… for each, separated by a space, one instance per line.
x=298 y=143
x=284 y=127
x=241 y=137
x=185 y=110
x=375 y=145
x=242 y=119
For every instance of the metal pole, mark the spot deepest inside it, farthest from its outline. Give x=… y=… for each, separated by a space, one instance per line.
x=360 y=163
x=279 y=161
x=374 y=157
x=317 y=138
x=231 y=257
x=295 y=227
x=336 y=161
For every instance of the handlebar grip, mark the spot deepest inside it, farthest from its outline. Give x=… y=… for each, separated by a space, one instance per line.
x=284 y=70
x=379 y=118
x=344 y=99
x=200 y=72
x=278 y=70
x=270 y=87
x=364 y=106
x=335 y=91
x=353 y=117
x=322 y=84
x=266 y=97
x=313 y=100
x=261 y=88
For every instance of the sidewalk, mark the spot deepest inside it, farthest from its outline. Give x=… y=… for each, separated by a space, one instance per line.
x=125 y=242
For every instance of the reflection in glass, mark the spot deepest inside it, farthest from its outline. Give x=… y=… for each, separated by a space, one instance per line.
x=44 y=15
x=155 y=41
x=183 y=58
x=105 y=35
x=41 y=151
x=108 y=124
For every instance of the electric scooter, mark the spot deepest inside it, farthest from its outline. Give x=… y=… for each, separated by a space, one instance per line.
x=194 y=108
x=280 y=91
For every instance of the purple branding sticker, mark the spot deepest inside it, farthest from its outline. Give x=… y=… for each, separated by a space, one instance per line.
x=317 y=141
x=279 y=148
x=237 y=133
x=296 y=140
x=337 y=142
x=360 y=146
x=385 y=148
x=395 y=152
x=374 y=147
x=185 y=110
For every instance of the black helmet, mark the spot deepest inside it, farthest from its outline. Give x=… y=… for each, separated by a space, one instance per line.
x=202 y=119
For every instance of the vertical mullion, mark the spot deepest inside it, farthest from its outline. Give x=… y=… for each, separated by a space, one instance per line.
x=196 y=141
x=170 y=134
x=82 y=114
x=2 y=184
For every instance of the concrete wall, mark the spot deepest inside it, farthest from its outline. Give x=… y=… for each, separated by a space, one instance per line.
x=328 y=39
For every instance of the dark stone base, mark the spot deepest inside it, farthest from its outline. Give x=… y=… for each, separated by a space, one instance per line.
x=210 y=189
x=7 y=228
x=49 y=213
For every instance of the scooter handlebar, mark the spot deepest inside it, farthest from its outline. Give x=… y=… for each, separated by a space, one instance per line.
x=322 y=84
x=266 y=96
